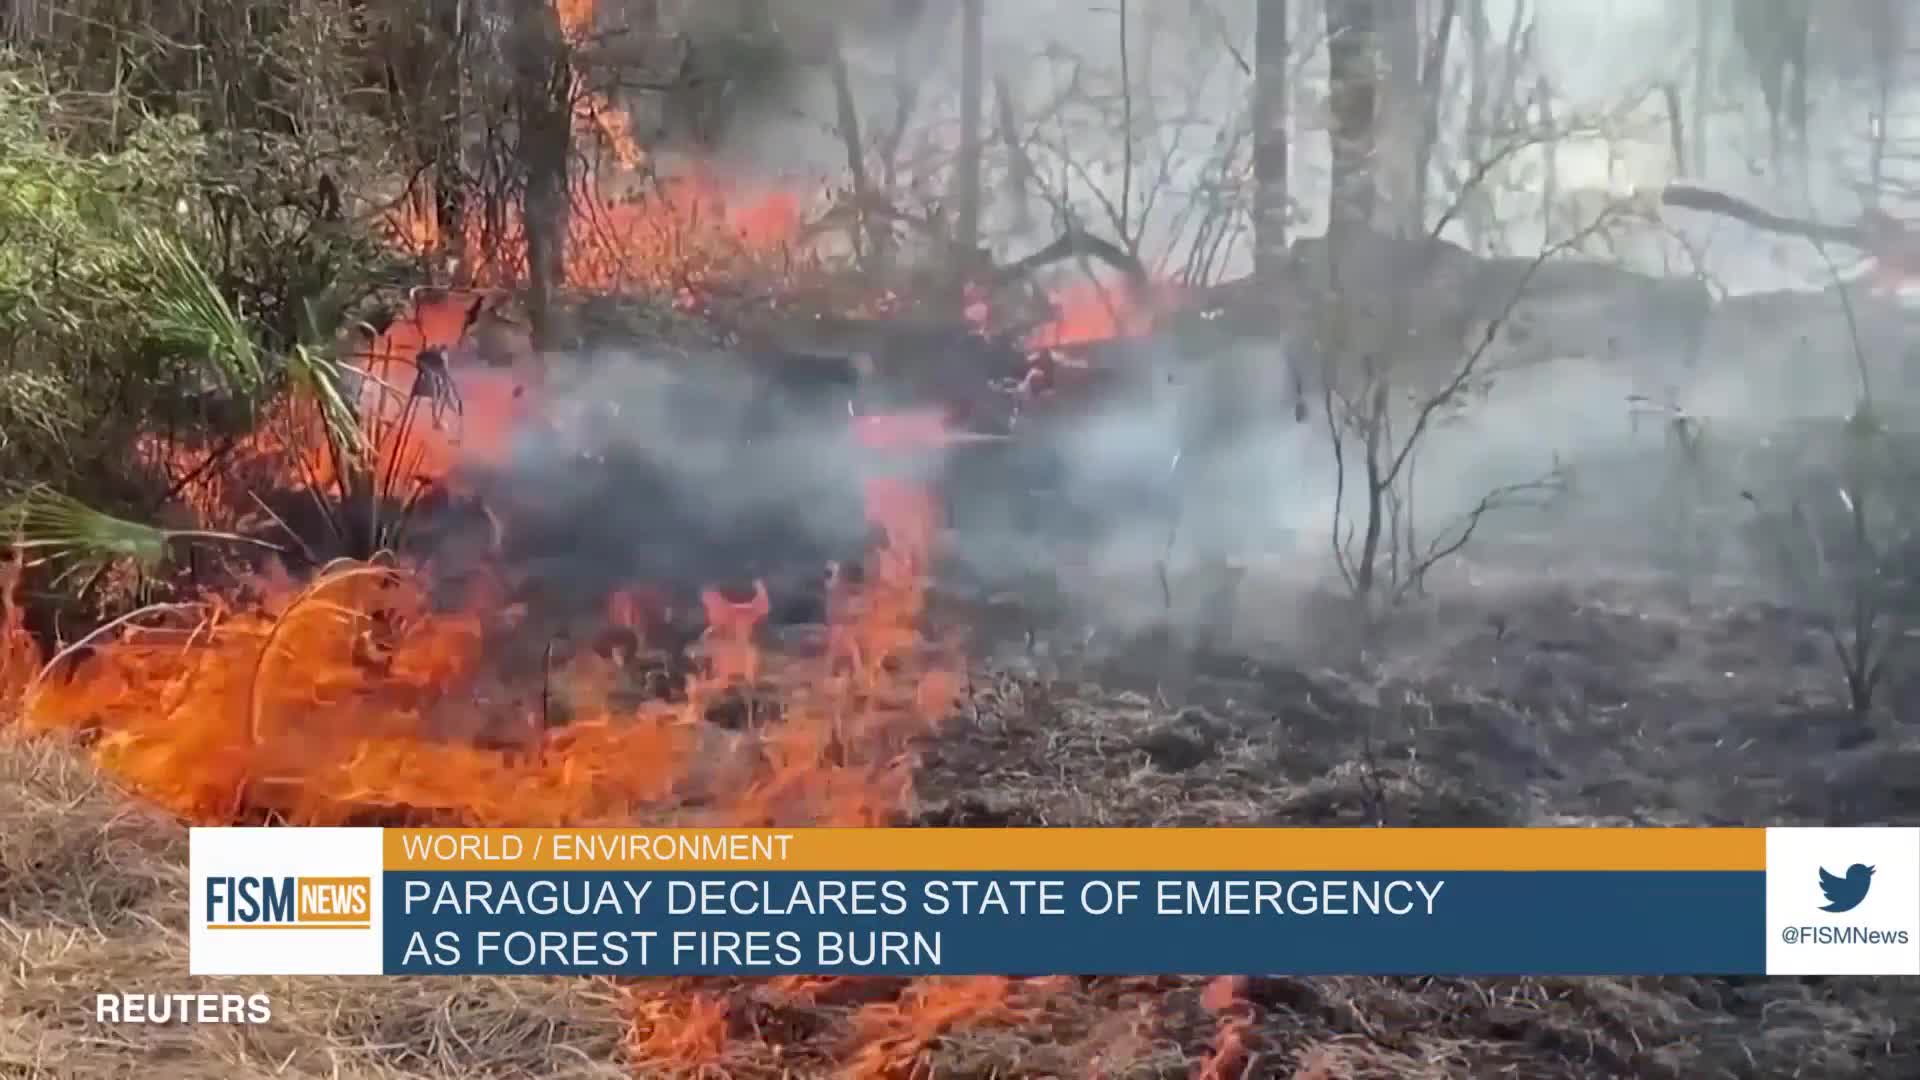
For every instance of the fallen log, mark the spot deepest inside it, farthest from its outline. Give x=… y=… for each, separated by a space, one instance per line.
x=1688 y=197
x=1892 y=246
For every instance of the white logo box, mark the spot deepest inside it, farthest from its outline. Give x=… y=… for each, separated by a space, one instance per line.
x=1795 y=858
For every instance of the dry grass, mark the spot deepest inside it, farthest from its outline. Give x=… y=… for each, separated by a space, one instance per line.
x=93 y=898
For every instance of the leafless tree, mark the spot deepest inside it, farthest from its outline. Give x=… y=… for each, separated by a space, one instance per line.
x=1406 y=326
x=543 y=100
x=1353 y=61
x=1271 y=199
x=972 y=97
x=1706 y=36
x=1774 y=36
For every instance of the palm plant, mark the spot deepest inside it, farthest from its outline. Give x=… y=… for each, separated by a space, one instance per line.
x=189 y=319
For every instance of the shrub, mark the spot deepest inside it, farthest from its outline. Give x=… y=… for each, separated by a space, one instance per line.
x=86 y=354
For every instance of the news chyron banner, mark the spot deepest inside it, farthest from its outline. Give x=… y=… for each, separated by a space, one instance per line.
x=1056 y=901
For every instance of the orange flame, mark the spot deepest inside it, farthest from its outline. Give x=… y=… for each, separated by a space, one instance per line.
x=676 y=235
x=628 y=230
x=730 y=630
x=412 y=437
x=1090 y=311
x=19 y=658
x=682 y=1031
x=1231 y=1055
x=356 y=695
x=894 y=1034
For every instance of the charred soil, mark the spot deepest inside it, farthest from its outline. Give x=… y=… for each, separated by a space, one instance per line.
x=1602 y=705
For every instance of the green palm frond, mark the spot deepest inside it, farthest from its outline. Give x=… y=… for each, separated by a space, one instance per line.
x=61 y=528
x=191 y=315
x=318 y=373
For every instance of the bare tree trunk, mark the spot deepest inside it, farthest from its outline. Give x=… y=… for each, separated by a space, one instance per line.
x=1550 y=150
x=869 y=230
x=1676 y=127
x=1704 y=45
x=1887 y=45
x=22 y=22
x=1433 y=69
x=1368 y=289
x=1379 y=486
x=1774 y=34
x=1399 y=37
x=1019 y=168
x=1270 y=194
x=447 y=30
x=972 y=94
x=543 y=93
x=1478 y=33
x=1353 y=67
x=1502 y=113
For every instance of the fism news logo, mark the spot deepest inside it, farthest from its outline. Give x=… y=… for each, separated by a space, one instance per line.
x=284 y=902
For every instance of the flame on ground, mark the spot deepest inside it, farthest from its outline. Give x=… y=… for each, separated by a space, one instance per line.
x=1230 y=1056
x=1091 y=311
x=895 y=1033
x=355 y=697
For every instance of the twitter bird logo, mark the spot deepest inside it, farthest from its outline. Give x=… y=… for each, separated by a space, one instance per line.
x=1845 y=893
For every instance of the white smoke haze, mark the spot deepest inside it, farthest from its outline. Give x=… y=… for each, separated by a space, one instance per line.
x=1595 y=386
x=1063 y=59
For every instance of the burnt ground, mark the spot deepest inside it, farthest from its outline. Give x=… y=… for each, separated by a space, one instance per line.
x=1547 y=705
x=1602 y=705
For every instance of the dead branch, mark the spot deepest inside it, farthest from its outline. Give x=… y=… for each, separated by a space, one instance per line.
x=1705 y=200
x=1458 y=535
x=1075 y=243
x=848 y=118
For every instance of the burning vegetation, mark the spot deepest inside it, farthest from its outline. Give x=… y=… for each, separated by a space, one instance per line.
x=453 y=427
x=326 y=668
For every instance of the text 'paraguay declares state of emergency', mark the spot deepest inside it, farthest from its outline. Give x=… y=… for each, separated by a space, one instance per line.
x=633 y=895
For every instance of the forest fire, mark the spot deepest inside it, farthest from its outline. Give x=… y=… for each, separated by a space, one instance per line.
x=356 y=698
x=356 y=694
x=633 y=229
x=884 y=429
x=361 y=695
x=676 y=235
x=418 y=424
x=1093 y=312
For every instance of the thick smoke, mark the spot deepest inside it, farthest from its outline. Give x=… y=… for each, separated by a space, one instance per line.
x=694 y=470
x=648 y=467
